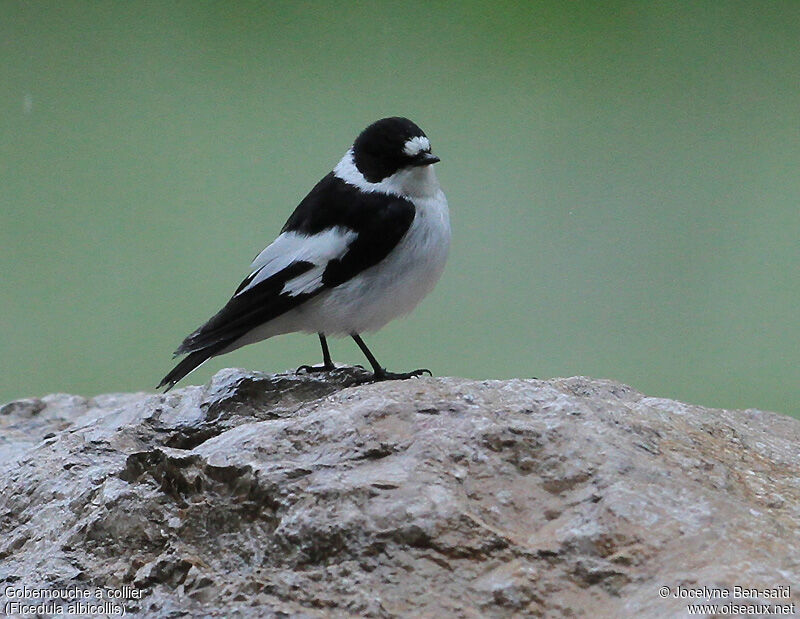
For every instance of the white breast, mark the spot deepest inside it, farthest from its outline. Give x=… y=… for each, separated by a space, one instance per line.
x=394 y=286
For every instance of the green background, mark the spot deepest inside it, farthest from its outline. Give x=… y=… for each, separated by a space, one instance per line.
x=622 y=176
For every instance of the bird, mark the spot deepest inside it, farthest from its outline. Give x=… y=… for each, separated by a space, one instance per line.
x=364 y=247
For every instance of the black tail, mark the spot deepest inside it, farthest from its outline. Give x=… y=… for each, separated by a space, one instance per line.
x=192 y=361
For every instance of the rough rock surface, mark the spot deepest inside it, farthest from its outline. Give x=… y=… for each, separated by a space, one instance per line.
x=319 y=495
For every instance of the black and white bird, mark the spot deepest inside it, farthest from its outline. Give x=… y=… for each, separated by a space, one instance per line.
x=363 y=247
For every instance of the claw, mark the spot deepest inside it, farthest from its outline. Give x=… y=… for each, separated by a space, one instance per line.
x=314 y=369
x=384 y=375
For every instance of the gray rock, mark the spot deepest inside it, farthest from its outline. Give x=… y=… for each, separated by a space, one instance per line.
x=322 y=495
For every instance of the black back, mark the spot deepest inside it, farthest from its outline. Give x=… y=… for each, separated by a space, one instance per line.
x=333 y=202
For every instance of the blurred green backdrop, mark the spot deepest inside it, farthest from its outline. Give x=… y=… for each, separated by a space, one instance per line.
x=622 y=176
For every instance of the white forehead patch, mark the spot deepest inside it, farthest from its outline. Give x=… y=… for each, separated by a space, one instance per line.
x=416 y=145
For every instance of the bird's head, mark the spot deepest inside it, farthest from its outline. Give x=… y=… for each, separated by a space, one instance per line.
x=391 y=145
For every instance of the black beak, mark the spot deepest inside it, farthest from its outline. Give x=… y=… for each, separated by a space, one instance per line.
x=425 y=159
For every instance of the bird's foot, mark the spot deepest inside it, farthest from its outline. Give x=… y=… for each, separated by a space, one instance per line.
x=384 y=375
x=315 y=369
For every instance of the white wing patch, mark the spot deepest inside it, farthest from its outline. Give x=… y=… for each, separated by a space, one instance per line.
x=290 y=247
x=307 y=282
x=415 y=146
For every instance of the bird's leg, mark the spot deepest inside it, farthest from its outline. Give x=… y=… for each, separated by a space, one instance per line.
x=327 y=364
x=380 y=372
x=326 y=354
